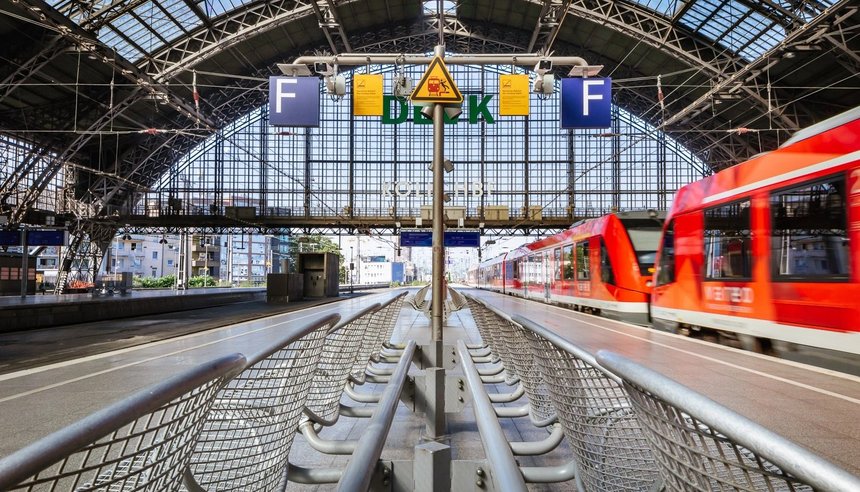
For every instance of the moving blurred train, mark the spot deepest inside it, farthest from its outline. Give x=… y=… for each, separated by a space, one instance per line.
x=763 y=255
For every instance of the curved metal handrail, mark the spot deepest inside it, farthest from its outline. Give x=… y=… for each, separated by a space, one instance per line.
x=101 y=453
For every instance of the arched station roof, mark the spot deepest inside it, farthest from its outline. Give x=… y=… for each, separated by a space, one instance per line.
x=108 y=84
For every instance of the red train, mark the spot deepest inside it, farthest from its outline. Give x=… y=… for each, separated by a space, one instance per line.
x=763 y=255
x=602 y=266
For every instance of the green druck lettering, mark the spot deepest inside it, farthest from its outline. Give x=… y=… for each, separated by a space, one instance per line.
x=476 y=110
x=402 y=114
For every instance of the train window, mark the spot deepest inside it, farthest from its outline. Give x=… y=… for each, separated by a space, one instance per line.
x=531 y=269
x=583 y=266
x=568 y=262
x=666 y=268
x=516 y=268
x=728 y=252
x=606 y=273
x=809 y=239
x=556 y=264
x=645 y=241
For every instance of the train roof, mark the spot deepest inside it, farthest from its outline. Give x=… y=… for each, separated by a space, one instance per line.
x=818 y=152
x=828 y=124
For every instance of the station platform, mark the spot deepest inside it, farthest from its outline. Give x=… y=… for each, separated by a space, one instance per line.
x=813 y=407
x=41 y=311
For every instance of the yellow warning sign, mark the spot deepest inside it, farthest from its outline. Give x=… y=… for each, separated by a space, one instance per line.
x=513 y=95
x=367 y=95
x=436 y=85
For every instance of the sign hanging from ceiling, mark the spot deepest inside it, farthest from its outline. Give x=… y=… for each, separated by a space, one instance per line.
x=436 y=86
x=367 y=95
x=47 y=237
x=586 y=102
x=423 y=238
x=514 y=95
x=10 y=238
x=294 y=101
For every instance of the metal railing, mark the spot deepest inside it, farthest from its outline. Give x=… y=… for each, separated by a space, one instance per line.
x=339 y=352
x=631 y=428
x=506 y=472
x=230 y=424
x=141 y=442
x=701 y=445
x=359 y=471
x=599 y=421
x=248 y=433
x=516 y=355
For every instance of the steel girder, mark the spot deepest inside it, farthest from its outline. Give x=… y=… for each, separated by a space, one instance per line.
x=57 y=160
x=225 y=32
x=735 y=80
x=82 y=259
x=87 y=42
x=661 y=33
x=51 y=50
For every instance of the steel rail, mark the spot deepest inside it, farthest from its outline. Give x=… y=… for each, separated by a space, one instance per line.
x=505 y=471
x=359 y=471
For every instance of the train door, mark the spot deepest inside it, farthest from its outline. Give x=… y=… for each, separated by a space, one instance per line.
x=547 y=274
x=567 y=270
x=810 y=255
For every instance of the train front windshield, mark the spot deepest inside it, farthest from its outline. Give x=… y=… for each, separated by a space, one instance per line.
x=645 y=243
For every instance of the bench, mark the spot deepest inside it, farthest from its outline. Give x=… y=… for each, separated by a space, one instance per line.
x=143 y=441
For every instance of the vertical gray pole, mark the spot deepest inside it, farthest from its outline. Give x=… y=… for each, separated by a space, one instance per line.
x=438 y=219
x=25 y=257
x=435 y=374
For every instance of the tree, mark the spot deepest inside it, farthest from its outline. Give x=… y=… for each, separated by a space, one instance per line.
x=315 y=243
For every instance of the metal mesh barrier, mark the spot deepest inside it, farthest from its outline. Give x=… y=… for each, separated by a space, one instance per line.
x=246 y=440
x=694 y=456
x=372 y=339
x=458 y=301
x=488 y=327
x=600 y=425
x=339 y=353
x=143 y=442
x=541 y=409
x=389 y=322
x=701 y=445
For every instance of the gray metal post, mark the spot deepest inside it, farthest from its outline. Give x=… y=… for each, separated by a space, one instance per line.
x=435 y=412
x=25 y=257
x=432 y=467
x=438 y=218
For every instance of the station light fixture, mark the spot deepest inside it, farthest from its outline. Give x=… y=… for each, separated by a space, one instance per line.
x=402 y=86
x=447 y=165
x=585 y=70
x=544 y=83
x=453 y=110
x=335 y=84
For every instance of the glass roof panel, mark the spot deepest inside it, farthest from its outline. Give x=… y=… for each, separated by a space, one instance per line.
x=214 y=8
x=665 y=7
x=734 y=26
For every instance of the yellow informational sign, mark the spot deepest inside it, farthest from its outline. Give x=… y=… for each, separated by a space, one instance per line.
x=367 y=95
x=436 y=85
x=514 y=95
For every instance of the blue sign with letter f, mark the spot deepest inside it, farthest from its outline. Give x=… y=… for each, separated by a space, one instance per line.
x=294 y=101
x=586 y=103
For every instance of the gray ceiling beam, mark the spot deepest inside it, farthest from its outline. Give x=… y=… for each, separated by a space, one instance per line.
x=736 y=78
x=324 y=27
x=85 y=41
x=225 y=32
x=54 y=48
